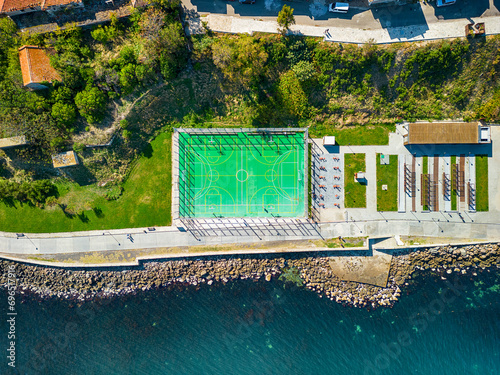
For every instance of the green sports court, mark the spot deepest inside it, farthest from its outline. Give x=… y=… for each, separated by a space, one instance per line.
x=241 y=173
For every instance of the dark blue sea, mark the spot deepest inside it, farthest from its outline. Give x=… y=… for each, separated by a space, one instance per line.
x=438 y=327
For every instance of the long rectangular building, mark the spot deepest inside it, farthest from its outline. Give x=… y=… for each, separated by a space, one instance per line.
x=420 y=133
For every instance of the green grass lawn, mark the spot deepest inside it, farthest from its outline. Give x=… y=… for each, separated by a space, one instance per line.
x=387 y=200
x=482 y=183
x=146 y=201
x=425 y=170
x=454 y=194
x=355 y=193
x=357 y=135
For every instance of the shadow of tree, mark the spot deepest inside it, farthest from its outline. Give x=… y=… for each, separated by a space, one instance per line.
x=66 y=212
x=98 y=212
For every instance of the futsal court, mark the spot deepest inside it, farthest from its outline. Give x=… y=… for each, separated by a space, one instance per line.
x=235 y=173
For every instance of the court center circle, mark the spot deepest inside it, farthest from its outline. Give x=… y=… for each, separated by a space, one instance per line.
x=271 y=175
x=213 y=175
x=242 y=175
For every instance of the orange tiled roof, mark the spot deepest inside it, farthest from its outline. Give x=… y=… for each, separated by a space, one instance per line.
x=35 y=65
x=13 y=5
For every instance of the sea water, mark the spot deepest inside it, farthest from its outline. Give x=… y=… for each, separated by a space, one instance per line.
x=439 y=326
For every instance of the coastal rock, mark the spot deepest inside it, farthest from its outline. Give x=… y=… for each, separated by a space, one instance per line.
x=314 y=272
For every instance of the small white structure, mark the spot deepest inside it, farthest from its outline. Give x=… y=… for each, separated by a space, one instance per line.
x=13 y=141
x=65 y=159
x=485 y=134
x=329 y=140
x=360 y=177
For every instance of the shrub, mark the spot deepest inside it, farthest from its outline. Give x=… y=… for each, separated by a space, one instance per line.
x=292 y=96
x=124 y=124
x=304 y=70
x=113 y=193
x=127 y=134
x=35 y=192
x=79 y=147
x=57 y=143
x=490 y=111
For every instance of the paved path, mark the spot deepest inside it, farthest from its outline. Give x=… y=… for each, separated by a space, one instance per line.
x=433 y=224
x=385 y=25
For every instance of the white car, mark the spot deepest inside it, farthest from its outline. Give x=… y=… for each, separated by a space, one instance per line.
x=442 y=3
x=338 y=7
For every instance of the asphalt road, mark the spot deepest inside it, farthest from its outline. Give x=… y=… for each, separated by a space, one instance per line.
x=316 y=13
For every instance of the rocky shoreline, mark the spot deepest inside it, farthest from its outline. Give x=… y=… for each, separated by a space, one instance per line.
x=311 y=270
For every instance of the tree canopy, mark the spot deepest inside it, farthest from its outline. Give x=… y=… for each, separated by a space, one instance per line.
x=285 y=19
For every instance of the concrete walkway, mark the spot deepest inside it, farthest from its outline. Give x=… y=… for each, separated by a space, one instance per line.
x=380 y=35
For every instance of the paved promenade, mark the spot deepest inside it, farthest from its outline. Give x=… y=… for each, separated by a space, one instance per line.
x=430 y=224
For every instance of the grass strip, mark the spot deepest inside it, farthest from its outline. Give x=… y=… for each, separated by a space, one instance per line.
x=425 y=170
x=454 y=194
x=482 y=203
x=355 y=193
x=356 y=135
x=387 y=174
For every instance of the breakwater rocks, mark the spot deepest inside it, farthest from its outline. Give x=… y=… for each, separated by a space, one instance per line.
x=312 y=270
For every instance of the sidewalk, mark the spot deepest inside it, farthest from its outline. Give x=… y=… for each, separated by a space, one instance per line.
x=430 y=31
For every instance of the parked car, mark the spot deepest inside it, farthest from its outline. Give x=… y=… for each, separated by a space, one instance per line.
x=247 y=1
x=442 y=3
x=338 y=7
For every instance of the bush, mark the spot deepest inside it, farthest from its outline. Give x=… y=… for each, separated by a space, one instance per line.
x=35 y=192
x=292 y=96
x=127 y=134
x=113 y=193
x=241 y=60
x=304 y=70
x=490 y=111
x=79 y=147
x=57 y=143
x=124 y=124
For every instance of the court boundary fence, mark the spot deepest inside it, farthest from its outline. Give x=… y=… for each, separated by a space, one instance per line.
x=176 y=196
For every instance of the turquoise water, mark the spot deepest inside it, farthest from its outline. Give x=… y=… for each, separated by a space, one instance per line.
x=438 y=327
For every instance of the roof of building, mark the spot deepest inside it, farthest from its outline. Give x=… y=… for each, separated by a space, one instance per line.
x=35 y=65
x=16 y=5
x=50 y=3
x=65 y=159
x=13 y=141
x=443 y=132
x=13 y=5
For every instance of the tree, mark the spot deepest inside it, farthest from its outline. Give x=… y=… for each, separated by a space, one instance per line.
x=64 y=114
x=285 y=19
x=241 y=60
x=173 y=53
x=90 y=103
